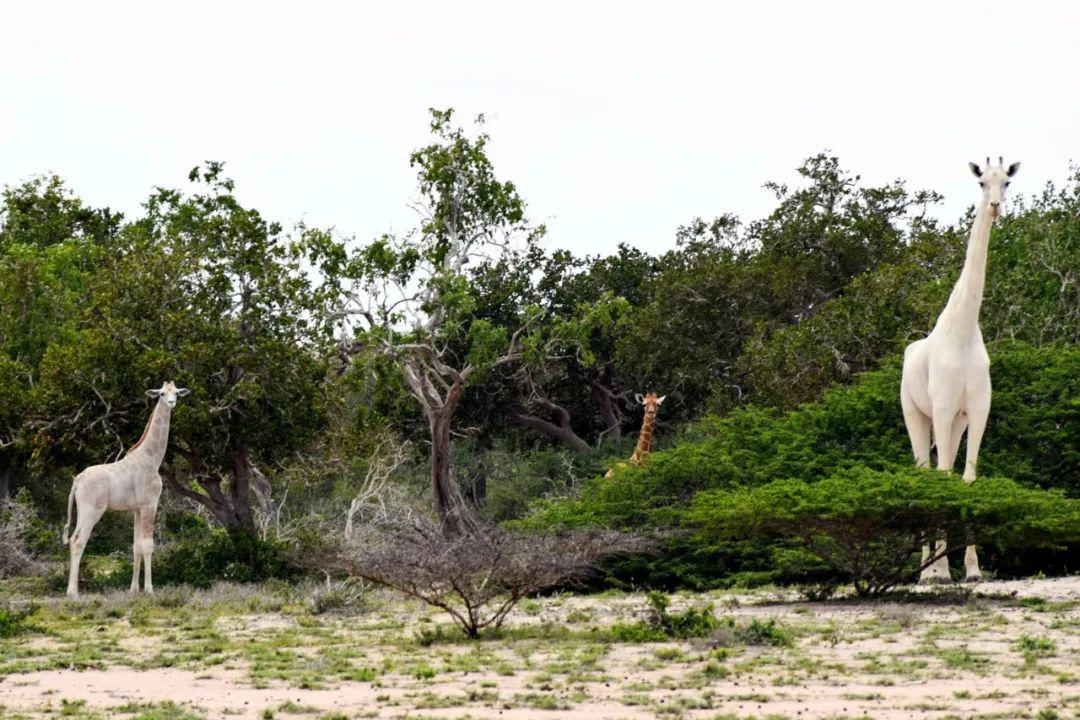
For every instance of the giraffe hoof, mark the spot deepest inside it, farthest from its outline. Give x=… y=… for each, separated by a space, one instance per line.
x=973 y=579
x=935 y=580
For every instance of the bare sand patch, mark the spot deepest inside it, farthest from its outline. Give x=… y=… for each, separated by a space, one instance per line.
x=991 y=654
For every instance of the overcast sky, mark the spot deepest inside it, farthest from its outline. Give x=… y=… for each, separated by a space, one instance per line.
x=617 y=120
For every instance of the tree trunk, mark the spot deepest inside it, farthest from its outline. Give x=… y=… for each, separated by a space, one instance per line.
x=240 y=490
x=603 y=397
x=450 y=507
x=442 y=490
x=5 y=480
x=232 y=511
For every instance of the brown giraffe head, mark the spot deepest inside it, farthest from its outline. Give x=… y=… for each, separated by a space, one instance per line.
x=651 y=402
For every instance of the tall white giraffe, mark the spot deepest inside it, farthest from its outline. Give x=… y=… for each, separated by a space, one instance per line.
x=946 y=380
x=131 y=483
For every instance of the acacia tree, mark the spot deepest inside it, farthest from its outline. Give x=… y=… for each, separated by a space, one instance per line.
x=416 y=306
x=226 y=298
x=201 y=290
x=51 y=245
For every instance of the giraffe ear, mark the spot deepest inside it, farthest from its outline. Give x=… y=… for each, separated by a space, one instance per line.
x=153 y=393
x=640 y=400
x=660 y=400
x=1012 y=169
x=182 y=392
x=975 y=170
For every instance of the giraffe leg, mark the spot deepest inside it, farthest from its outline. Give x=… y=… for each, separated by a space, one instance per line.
x=918 y=427
x=146 y=543
x=137 y=556
x=977 y=417
x=88 y=518
x=959 y=425
x=945 y=421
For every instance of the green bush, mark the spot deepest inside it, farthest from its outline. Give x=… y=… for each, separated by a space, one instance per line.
x=200 y=557
x=696 y=622
x=199 y=560
x=1033 y=437
x=662 y=624
x=870 y=525
x=14 y=622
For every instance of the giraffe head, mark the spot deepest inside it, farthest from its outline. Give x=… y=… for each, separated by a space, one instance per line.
x=651 y=402
x=994 y=179
x=168 y=393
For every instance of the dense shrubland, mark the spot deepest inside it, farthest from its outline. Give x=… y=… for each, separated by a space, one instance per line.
x=464 y=369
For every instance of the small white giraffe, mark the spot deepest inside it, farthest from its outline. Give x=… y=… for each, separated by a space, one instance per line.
x=131 y=483
x=945 y=387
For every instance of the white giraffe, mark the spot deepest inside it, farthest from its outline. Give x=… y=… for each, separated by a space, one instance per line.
x=946 y=380
x=131 y=483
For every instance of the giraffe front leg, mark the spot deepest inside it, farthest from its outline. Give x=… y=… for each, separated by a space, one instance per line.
x=977 y=416
x=945 y=422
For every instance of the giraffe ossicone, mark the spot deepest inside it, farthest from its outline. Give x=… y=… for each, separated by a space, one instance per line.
x=945 y=387
x=131 y=483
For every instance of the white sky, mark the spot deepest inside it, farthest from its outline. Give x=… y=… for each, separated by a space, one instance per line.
x=617 y=120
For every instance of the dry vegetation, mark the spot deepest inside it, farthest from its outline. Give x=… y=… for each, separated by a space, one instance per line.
x=1008 y=650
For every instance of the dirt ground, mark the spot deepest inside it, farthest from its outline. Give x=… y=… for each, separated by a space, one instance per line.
x=1000 y=650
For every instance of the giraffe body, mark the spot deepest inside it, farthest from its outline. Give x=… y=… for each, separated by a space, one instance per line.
x=131 y=483
x=648 y=426
x=945 y=388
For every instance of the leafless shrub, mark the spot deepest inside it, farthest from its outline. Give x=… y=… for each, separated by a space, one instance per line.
x=315 y=509
x=375 y=497
x=16 y=517
x=479 y=574
x=338 y=596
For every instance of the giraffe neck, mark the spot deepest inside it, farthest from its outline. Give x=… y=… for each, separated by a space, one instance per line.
x=961 y=314
x=155 y=437
x=644 y=443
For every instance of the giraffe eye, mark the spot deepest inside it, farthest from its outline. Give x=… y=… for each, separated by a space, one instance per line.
x=982 y=184
x=1007 y=183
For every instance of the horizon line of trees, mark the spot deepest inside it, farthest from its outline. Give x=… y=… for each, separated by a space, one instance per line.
x=463 y=336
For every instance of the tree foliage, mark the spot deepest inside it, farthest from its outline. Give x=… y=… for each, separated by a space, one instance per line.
x=870 y=524
x=414 y=295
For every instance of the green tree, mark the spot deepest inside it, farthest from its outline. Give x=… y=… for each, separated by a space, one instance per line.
x=416 y=304
x=226 y=300
x=207 y=292
x=51 y=246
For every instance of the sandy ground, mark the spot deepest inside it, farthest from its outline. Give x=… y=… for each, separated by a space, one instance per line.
x=849 y=659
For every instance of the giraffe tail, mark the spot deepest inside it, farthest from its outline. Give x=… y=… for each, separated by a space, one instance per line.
x=71 y=499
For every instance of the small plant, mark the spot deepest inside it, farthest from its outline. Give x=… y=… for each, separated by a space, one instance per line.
x=423 y=672
x=714 y=671
x=764 y=633
x=337 y=596
x=730 y=634
x=13 y=622
x=1035 y=647
x=71 y=707
x=663 y=624
x=694 y=622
